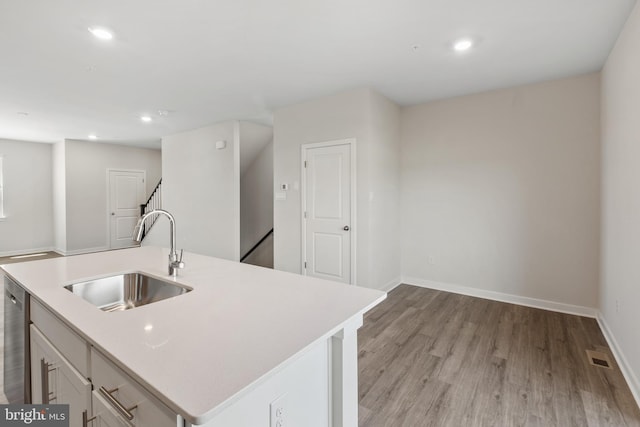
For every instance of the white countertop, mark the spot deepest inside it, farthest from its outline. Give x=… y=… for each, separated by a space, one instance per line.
x=200 y=351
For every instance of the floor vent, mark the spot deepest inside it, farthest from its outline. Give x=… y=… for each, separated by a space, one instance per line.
x=599 y=359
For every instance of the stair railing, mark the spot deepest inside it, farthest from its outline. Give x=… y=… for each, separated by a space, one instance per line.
x=256 y=245
x=153 y=202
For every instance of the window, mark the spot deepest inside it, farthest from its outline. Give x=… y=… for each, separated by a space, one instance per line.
x=1 y=192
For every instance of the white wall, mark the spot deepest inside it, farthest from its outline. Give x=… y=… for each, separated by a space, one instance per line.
x=253 y=138
x=256 y=199
x=86 y=164
x=200 y=187
x=28 y=225
x=384 y=193
x=500 y=191
x=59 y=184
x=620 y=280
x=368 y=118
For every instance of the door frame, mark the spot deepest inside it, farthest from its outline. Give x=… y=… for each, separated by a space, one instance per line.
x=108 y=213
x=351 y=142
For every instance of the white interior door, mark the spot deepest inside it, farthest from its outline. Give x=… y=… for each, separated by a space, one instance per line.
x=126 y=194
x=327 y=212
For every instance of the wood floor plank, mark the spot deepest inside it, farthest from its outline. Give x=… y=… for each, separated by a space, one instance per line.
x=412 y=379
x=432 y=358
x=429 y=405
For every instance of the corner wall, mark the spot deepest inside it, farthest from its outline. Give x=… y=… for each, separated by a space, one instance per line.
x=384 y=193
x=199 y=187
x=620 y=279
x=373 y=121
x=28 y=198
x=59 y=183
x=501 y=193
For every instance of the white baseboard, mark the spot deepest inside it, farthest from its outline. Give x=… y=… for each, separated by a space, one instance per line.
x=391 y=285
x=387 y=286
x=82 y=251
x=627 y=372
x=27 y=251
x=499 y=296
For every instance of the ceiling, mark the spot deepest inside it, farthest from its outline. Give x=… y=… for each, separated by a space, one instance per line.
x=205 y=61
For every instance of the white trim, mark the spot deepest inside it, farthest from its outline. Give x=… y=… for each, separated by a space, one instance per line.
x=351 y=142
x=627 y=372
x=2 y=216
x=509 y=298
x=87 y=251
x=392 y=284
x=236 y=191
x=28 y=251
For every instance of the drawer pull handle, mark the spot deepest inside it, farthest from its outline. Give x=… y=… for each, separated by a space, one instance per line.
x=125 y=412
x=85 y=418
x=45 y=368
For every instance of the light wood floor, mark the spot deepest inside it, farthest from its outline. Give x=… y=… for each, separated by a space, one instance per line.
x=44 y=255
x=431 y=358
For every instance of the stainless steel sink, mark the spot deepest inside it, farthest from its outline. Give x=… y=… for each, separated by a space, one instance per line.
x=125 y=291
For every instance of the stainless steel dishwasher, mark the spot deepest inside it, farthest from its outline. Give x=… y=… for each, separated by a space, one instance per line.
x=17 y=379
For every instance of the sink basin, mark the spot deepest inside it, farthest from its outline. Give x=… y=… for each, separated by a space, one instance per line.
x=125 y=291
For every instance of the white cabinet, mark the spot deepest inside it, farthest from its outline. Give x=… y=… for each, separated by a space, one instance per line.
x=116 y=390
x=62 y=363
x=54 y=380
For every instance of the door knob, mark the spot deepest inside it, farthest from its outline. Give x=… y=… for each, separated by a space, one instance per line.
x=113 y=213
x=346 y=228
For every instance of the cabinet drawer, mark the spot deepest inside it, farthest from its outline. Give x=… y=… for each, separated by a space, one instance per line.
x=148 y=412
x=68 y=343
x=105 y=416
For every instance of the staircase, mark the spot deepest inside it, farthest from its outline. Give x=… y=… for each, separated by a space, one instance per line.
x=154 y=202
x=261 y=253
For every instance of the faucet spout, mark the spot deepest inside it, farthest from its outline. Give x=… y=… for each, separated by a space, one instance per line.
x=175 y=263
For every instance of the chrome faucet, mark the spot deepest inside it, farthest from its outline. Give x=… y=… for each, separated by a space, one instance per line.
x=175 y=263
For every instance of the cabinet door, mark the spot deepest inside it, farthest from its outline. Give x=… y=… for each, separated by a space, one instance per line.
x=54 y=380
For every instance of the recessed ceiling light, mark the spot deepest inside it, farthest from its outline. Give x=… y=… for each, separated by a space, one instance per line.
x=462 y=45
x=146 y=119
x=101 y=33
x=93 y=137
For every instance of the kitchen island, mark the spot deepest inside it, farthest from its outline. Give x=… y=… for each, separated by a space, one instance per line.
x=247 y=346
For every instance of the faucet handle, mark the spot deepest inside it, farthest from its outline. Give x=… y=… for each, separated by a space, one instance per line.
x=179 y=263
